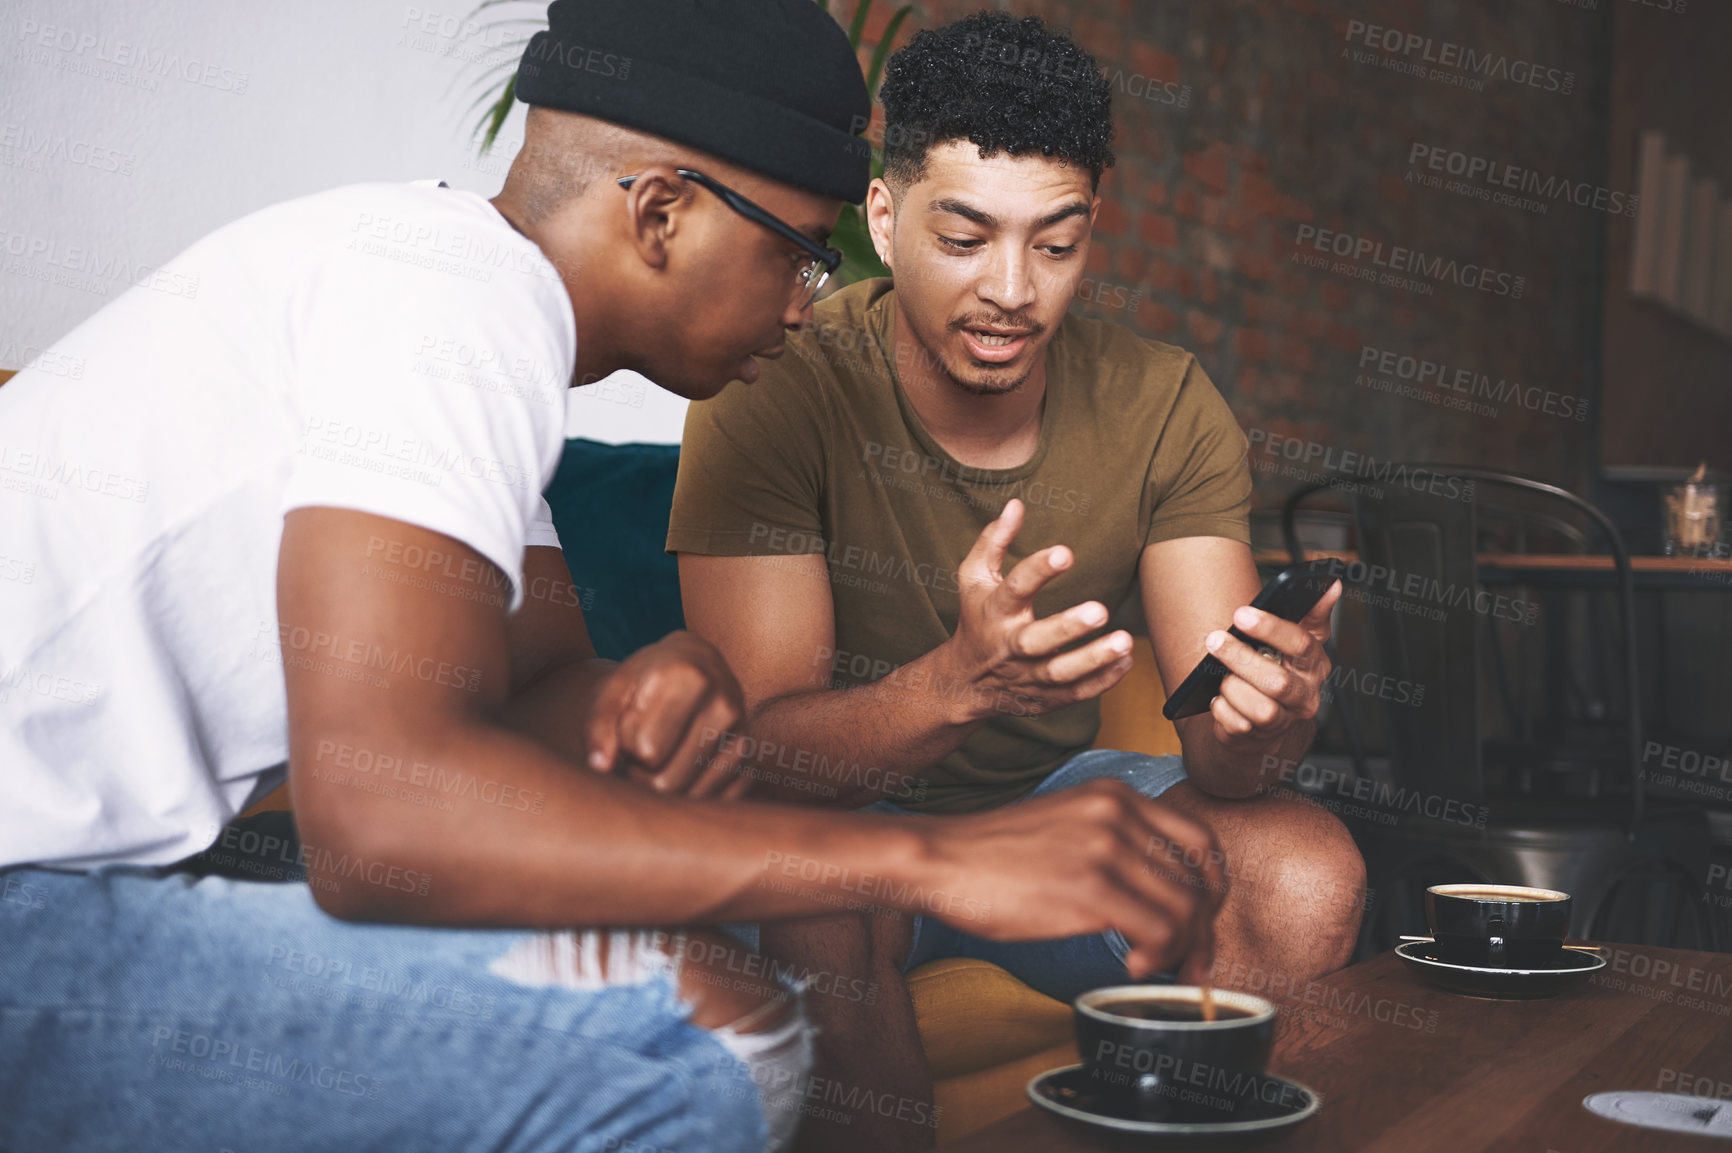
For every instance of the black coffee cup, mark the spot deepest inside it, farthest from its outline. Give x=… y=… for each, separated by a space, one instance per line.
x=1153 y=1057
x=1498 y=926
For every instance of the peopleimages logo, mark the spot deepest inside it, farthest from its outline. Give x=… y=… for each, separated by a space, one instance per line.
x=66 y=474
x=856 y=558
x=60 y=688
x=87 y=268
x=1410 y=261
x=1497 y=182
x=49 y=360
x=137 y=65
x=1418 y=594
x=22 y=146
x=1380 y=796
x=576 y=58
x=1329 y=460
x=1454 y=62
x=1463 y=387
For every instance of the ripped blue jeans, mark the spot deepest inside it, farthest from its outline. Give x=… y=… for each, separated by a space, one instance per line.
x=145 y=1009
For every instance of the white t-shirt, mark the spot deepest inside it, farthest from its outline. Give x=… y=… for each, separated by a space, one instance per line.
x=398 y=349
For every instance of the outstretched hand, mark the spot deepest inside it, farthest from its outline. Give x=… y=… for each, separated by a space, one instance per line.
x=1006 y=653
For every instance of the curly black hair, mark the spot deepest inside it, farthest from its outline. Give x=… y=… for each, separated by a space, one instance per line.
x=1008 y=85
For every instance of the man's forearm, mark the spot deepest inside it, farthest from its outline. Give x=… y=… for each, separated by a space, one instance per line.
x=1235 y=774
x=512 y=834
x=848 y=747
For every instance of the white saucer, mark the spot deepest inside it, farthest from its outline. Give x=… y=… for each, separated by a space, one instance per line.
x=1571 y=967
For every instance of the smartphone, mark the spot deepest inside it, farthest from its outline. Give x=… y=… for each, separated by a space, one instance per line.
x=1290 y=594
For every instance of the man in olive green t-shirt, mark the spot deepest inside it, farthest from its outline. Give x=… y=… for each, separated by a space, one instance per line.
x=827 y=463
x=907 y=535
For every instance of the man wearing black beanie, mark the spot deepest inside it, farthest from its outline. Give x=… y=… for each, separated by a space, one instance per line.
x=289 y=524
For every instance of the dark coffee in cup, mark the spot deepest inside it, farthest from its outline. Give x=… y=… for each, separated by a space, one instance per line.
x=1509 y=894
x=1169 y=1010
x=1498 y=926
x=1154 y=1058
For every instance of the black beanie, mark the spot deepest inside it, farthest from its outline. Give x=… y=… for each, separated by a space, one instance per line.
x=771 y=85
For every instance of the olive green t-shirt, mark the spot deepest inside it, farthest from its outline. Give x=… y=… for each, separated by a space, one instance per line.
x=824 y=454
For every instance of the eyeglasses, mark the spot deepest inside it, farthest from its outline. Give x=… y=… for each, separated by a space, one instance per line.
x=811 y=275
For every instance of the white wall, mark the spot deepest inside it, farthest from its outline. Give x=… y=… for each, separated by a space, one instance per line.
x=129 y=130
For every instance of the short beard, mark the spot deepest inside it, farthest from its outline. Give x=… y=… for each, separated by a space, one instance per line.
x=976 y=388
x=973 y=388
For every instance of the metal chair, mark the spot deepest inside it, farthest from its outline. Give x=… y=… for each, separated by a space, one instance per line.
x=1635 y=870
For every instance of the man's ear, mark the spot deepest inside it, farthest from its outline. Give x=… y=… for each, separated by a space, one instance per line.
x=654 y=206
x=881 y=219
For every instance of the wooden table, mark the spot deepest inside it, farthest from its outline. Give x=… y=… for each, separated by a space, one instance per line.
x=1504 y=1076
x=1509 y=568
x=1599 y=562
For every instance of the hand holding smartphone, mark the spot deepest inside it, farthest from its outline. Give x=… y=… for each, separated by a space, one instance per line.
x=1290 y=594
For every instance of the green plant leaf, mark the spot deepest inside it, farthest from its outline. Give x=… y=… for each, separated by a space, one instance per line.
x=882 y=53
x=858 y=28
x=495 y=117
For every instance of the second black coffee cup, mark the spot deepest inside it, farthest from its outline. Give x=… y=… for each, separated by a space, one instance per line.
x=1498 y=926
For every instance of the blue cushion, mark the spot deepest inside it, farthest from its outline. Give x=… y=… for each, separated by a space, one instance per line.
x=610 y=504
